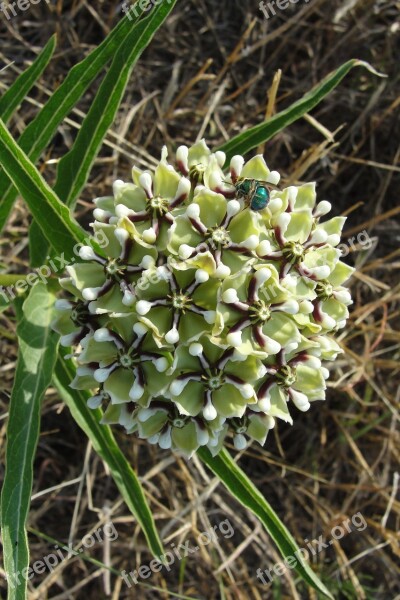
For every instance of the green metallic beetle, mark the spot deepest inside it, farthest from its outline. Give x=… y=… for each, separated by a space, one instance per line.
x=255 y=193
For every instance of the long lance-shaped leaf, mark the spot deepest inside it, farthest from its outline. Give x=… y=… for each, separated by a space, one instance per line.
x=13 y=97
x=74 y=167
x=36 y=357
x=5 y=301
x=105 y=445
x=240 y=486
x=40 y=131
x=60 y=229
x=250 y=139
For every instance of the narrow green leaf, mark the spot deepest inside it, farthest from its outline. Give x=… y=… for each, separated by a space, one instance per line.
x=241 y=488
x=13 y=97
x=40 y=131
x=250 y=139
x=9 y=279
x=105 y=445
x=4 y=301
x=74 y=167
x=36 y=357
x=60 y=229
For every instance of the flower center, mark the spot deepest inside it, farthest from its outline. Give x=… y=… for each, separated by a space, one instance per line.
x=159 y=204
x=286 y=376
x=180 y=301
x=196 y=173
x=114 y=267
x=324 y=290
x=293 y=251
x=80 y=314
x=215 y=381
x=126 y=360
x=179 y=423
x=220 y=236
x=260 y=311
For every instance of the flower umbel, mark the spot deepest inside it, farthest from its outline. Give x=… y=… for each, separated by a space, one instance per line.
x=210 y=315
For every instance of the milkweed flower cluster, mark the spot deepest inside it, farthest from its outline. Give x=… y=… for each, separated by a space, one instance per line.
x=213 y=309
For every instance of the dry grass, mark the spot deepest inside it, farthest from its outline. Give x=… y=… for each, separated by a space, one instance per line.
x=212 y=71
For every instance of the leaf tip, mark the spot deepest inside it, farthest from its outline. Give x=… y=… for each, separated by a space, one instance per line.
x=369 y=67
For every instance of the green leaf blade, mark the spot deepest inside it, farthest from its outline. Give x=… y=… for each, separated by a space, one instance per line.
x=40 y=131
x=13 y=97
x=74 y=167
x=245 y=492
x=106 y=447
x=105 y=106
x=59 y=228
x=36 y=357
x=252 y=138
